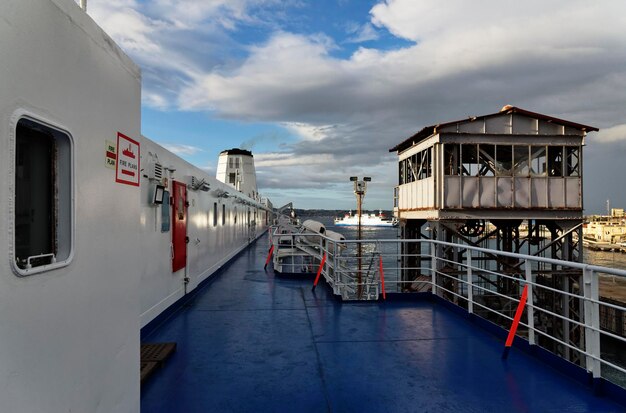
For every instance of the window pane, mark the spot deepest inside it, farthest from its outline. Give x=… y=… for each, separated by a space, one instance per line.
x=555 y=160
x=521 y=160
x=573 y=164
x=35 y=208
x=487 y=158
x=538 y=160
x=451 y=159
x=43 y=189
x=504 y=160
x=469 y=160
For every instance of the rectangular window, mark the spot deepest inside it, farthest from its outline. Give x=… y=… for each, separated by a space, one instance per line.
x=214 y=214
x=223 y=214
x=451 y=159
x=487 y=159
x=43 y=197
x=504 y=160
x=555 y=160
x=521 y=160
x=573 y=161
x=538 y=160
x=469 y=158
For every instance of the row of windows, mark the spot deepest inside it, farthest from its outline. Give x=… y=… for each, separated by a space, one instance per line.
x=224 y=214
x=234 y=162
x=494 y=160
x=511 y=160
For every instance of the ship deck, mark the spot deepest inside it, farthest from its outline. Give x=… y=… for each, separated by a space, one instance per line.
x=250 y=341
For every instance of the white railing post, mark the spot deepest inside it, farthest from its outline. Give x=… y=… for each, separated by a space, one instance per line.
x=433 y=266
x=470 y=289
x=530 y=310
x=592 y=322
x=321 y=246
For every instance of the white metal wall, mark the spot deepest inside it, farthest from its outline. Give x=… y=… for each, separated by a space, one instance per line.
x=69 y=337
x=69 y=340
x=209 y=246
x=505 y=192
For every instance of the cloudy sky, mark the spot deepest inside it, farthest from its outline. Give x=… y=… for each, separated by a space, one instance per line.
x=320 y=90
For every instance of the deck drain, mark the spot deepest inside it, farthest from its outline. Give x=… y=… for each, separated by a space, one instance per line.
x=153 y=355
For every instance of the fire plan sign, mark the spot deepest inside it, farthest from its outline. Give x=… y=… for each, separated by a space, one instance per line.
x=110 y=156
x=127 y=170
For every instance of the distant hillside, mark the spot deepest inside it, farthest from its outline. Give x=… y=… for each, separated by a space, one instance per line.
x=334 y=212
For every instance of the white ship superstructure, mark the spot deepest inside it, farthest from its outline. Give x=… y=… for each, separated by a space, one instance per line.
x=235 y=167
x=367 y=220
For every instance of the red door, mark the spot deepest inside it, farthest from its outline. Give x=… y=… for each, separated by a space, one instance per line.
x=179 y=231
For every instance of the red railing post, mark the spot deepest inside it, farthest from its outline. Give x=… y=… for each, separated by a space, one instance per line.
x=518 y=316
x=382 y=276
x=269 y=256
x=319 y=272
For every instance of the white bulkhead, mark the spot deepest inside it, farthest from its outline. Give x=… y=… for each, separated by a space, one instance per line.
x=69 y=334
x=86 y=252
x=220 y=223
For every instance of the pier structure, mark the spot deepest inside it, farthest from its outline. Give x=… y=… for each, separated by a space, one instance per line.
x=510 y=181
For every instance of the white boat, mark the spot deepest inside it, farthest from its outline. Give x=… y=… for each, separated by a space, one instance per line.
x=367 y=220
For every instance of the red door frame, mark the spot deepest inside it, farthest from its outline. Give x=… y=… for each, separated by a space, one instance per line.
x=179 y=227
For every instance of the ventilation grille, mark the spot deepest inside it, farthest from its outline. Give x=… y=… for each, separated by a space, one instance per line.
x=157 y=171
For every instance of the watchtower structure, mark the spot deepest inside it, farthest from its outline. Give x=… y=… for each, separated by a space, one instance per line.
x=511 y=181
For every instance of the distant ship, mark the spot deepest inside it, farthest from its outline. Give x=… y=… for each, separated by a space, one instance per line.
x=367 y=220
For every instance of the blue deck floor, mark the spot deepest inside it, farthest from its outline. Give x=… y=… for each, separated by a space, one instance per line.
x=253 y=342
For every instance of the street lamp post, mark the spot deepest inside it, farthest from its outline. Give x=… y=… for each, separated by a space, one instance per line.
x=360 y=187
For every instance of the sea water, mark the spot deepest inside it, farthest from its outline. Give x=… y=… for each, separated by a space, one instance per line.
x=615 y=260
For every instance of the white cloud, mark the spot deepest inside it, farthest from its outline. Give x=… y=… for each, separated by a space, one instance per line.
x=307 y=131
x=364 y=33
x=563 y=58
x=189 y=14
x=123 y=22
x=276 y=159
x=180 y=149
x=510 y=53
x=612 y=134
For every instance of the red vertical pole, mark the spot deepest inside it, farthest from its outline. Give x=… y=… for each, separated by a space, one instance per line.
x=382 y=276
x=319 y=272
x=269 y=256
x=518 y=316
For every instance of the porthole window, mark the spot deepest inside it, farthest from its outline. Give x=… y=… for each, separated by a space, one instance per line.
x=43 y=212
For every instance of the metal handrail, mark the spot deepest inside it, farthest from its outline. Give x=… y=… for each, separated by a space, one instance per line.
x=472 y=287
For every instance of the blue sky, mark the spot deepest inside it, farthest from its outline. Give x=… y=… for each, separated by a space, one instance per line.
x=319 y=90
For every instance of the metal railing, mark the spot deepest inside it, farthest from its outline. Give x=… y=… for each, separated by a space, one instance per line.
x=563 y=311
